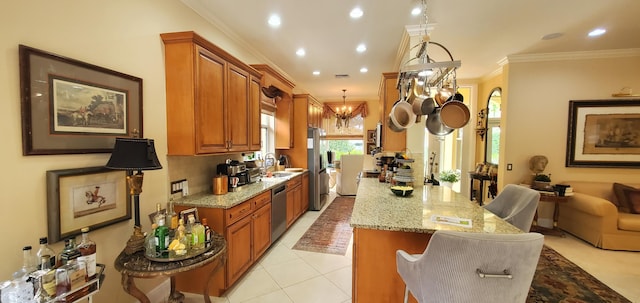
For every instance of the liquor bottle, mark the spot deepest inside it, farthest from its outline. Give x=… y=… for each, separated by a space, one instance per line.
x=172 y=216
x=208 y=233
x=161 y=234
x=69 y=252
x=179 y=245
x=28 y=265
x=197 y=233
x=87 y=249
x=45 y=251
x=70 y=276
x=48 y=278
x=150 y=242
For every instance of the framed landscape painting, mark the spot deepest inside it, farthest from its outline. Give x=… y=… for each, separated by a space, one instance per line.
x=72 y=107
x=604 y=133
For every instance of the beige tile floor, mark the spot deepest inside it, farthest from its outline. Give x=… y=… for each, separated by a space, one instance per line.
x=284 y=275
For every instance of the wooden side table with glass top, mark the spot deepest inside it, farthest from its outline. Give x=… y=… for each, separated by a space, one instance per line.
x=139 y=266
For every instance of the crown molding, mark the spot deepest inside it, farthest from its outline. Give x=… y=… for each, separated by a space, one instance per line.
x=564 y=56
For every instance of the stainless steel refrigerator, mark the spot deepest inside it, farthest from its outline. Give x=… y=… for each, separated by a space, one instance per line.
x=318 y=178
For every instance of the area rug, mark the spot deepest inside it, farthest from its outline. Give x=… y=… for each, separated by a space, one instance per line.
x=560 y=280
x=331 y=232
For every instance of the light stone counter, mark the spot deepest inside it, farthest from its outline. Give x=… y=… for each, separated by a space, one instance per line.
x=377 y=208
x=232 y=199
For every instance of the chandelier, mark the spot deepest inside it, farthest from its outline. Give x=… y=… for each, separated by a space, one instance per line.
x=343 y=115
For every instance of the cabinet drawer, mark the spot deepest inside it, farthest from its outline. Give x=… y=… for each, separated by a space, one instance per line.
x=238 y=212
x=294 y=182
x=261 y=199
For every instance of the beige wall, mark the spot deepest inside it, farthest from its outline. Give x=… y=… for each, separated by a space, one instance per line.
x=535 y=112
x=119 y=35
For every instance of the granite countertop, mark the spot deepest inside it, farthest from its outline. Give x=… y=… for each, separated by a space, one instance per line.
x=376 y=207
x=232 y=199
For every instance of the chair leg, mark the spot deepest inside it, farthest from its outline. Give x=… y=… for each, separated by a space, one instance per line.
x=406 y=294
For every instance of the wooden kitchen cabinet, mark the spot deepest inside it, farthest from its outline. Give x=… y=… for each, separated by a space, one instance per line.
x=304 y=201
x=239 y=242
x=294 y=197
x=284 y=105
x=302 y=120
x=211 y=98
x=391 y=141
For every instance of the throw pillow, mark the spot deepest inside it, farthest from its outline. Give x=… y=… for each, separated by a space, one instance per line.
x=618 y=190
x=633 y=197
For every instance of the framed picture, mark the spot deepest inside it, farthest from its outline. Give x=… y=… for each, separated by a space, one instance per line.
x=370 y=148
x=604 y=133
x=93 y=196
x=371 y=136
x=184 y=215
x=73 y=107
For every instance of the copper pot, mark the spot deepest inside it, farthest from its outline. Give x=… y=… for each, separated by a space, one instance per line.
x=220 y=184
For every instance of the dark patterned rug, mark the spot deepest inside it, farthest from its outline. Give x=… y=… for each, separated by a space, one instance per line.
x=331 y=232
x=560 y=280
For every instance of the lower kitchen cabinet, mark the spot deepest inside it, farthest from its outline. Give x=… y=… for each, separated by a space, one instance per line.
x=294 y=197
x=304 y=201
x=239 y=252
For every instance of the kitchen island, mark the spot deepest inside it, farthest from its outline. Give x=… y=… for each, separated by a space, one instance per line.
x=383 y=223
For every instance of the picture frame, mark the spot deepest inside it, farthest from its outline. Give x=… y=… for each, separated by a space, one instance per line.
x=184 y=215
x=73 y=107
x=370 y=148
x=93 y=197
x=603 y=133
x=371 y=136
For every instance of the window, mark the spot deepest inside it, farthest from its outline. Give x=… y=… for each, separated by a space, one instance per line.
x=342 y=147
x=267 y=129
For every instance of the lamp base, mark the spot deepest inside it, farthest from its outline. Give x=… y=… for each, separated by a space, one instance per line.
x=135 y=242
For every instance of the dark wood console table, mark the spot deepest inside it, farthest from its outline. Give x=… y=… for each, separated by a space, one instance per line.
x=554 y=231
x=138 y=266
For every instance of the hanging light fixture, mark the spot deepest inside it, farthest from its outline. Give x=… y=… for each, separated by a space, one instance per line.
x=343 y=114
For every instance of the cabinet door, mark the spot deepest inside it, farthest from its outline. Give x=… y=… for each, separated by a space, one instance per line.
x=284 y=122
x=304 y=201
x=240 y=255
x=391 y=141
x=254 y=113
x=238 y=106
x=298 y=201
x=209 y=103
x=290 y=206
x=261 y=230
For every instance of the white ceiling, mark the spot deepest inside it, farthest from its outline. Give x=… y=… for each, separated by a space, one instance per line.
x=478 y=33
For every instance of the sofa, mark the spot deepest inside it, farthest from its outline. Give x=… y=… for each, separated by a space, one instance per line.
x=597 y=213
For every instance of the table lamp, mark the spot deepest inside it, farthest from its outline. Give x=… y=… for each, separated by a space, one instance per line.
x=134 y=154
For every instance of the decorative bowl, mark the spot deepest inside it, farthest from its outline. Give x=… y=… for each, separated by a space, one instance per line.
x=402 y=191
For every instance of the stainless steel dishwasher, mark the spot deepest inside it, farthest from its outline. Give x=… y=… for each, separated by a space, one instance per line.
x=278 y=211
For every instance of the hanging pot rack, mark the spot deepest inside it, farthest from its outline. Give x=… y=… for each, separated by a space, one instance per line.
x=441 y=71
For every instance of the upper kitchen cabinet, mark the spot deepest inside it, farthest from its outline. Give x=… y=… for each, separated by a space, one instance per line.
x=391 y=140
x=301 y=121
x=275 y=83
x=212 y=98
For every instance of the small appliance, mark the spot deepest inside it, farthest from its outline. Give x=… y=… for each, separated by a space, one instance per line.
x=237 y=174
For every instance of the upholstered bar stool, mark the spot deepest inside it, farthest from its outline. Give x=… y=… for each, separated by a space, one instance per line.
x=516 y=204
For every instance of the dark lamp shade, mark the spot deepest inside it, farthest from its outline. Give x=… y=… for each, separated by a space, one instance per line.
x=134 y=154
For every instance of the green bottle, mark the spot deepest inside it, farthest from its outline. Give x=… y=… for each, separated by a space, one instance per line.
x=161 y=234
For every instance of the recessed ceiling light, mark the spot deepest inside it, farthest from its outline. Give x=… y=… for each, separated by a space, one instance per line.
x=597 y=32
x=364 y=70
x=416 y=11
x=316 y=72
x=301 y=52
x=361 y=48
x=274 y=21
x=356 y=13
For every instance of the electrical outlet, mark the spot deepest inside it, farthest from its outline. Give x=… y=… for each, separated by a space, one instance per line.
x=509 y=166
x=177 y=186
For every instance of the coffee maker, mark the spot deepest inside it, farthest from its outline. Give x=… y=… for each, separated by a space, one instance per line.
x=237 y=173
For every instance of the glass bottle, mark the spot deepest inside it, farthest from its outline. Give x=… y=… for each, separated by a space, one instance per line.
x=207 y=233
x=87 y=249
x=180 y=245
x=69 y=252
x=161 y=234
x=28 y=265
x=197 y=233
x=150 y=242
x=172 y=216
x=48 y=278
x=45 y=252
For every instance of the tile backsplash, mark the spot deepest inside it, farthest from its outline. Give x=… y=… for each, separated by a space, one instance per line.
x=198 y=170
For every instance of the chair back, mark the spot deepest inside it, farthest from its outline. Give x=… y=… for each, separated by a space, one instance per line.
x=516 y=204
x=472 y=267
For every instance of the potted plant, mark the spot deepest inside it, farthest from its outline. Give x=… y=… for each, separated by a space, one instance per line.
x=448 y=177
x=542 y=181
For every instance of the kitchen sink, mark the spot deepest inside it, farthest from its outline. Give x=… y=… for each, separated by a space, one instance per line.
x=281 y=174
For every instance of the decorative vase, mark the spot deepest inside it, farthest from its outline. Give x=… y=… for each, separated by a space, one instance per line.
x=447 y=184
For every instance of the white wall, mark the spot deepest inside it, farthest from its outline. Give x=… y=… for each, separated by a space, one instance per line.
x=120 y=35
